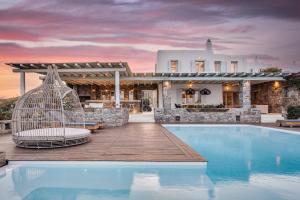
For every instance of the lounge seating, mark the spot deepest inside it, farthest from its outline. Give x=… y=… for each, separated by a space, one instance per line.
x=49 y=116
x=288 y=123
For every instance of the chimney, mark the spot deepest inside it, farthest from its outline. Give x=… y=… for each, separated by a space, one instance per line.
x=209 y=47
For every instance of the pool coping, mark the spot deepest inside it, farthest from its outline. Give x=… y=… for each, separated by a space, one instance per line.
x=179 y=163
x=183 y=146
x=251 y=125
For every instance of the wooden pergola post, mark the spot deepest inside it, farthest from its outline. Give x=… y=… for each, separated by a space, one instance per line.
x=117 y=89
x=22 y=83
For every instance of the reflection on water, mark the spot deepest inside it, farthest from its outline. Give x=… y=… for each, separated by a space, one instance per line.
x=247 y=156
x=106 y=181
x=244 y=163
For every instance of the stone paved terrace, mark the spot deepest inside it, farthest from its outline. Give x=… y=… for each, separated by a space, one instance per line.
x=133 y=142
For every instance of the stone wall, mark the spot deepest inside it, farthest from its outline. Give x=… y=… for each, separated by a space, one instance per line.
x=2 y=159
x=269 y=93
x=110 y=117
x=291 y=97
x=184 y=116
x=245 y=94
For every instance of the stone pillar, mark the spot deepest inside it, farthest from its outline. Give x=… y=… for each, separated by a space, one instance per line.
x=117 y=89
x=160 y=95
x=22 y=83
x=245 y=94
x=2 y=159
x=166 y=97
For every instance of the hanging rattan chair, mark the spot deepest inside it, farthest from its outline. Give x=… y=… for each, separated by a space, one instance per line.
x=49 y=116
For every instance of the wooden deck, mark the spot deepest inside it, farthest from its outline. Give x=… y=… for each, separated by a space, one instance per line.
x=133 y=142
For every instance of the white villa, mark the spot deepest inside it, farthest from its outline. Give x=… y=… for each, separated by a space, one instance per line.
x=199 y=61
x=182 y=79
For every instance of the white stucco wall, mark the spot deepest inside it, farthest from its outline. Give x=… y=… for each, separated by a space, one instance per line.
x=186 y=61
x=216 y=96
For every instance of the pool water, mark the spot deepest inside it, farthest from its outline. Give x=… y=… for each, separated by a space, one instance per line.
x=102 y=180
x=244 y=162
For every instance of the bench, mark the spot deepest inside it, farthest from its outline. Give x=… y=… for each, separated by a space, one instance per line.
x=288 y=123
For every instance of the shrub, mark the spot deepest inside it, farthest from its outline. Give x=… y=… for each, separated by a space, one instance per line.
x=6 y=108
x=271 y=70
x=294 y=80
x=293 y=112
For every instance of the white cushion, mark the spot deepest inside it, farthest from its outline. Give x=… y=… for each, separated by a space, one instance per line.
x=53 y=134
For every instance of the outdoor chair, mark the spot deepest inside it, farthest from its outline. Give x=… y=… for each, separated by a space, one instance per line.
x=49 y=116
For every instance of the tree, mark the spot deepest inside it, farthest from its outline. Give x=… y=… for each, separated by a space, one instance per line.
x=6 y=108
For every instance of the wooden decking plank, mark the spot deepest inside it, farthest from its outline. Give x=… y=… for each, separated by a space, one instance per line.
x=133 y=142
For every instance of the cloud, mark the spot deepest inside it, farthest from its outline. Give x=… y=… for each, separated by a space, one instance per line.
x=133 y=30
x=288 y=9
x=15 y=53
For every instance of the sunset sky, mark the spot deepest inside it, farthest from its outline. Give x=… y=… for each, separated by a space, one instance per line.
x=133 y=30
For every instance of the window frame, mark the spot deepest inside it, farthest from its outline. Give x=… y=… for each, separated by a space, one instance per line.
x=219 y=62
x=171 y=66
x=196 y=68
x=234 y=65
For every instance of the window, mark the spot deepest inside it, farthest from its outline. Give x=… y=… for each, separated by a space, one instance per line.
x=217 y=66
x=234 y=66
x=173 y=66
x=199 y=66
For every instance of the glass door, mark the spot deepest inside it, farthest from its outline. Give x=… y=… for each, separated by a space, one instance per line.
x=149 y=100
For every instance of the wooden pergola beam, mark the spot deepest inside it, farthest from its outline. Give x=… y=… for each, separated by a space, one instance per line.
x=77 y=70
x=186 y=78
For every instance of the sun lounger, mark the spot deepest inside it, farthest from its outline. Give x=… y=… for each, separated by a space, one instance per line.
x=288 y=123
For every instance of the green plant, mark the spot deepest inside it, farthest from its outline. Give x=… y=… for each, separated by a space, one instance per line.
x=271 y=70
x=293 y=112
x=293 y=80
x=6 y=108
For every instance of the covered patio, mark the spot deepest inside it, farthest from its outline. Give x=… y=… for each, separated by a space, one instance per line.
x=102 y=85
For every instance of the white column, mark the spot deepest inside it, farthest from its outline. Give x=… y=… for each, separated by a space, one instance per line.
x=22 y=83
x=117 y=89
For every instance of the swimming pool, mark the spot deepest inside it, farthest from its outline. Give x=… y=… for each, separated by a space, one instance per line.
x=246 y=162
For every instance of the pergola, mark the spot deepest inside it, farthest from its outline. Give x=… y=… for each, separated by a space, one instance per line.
x=94 y=72
x=111 y=70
